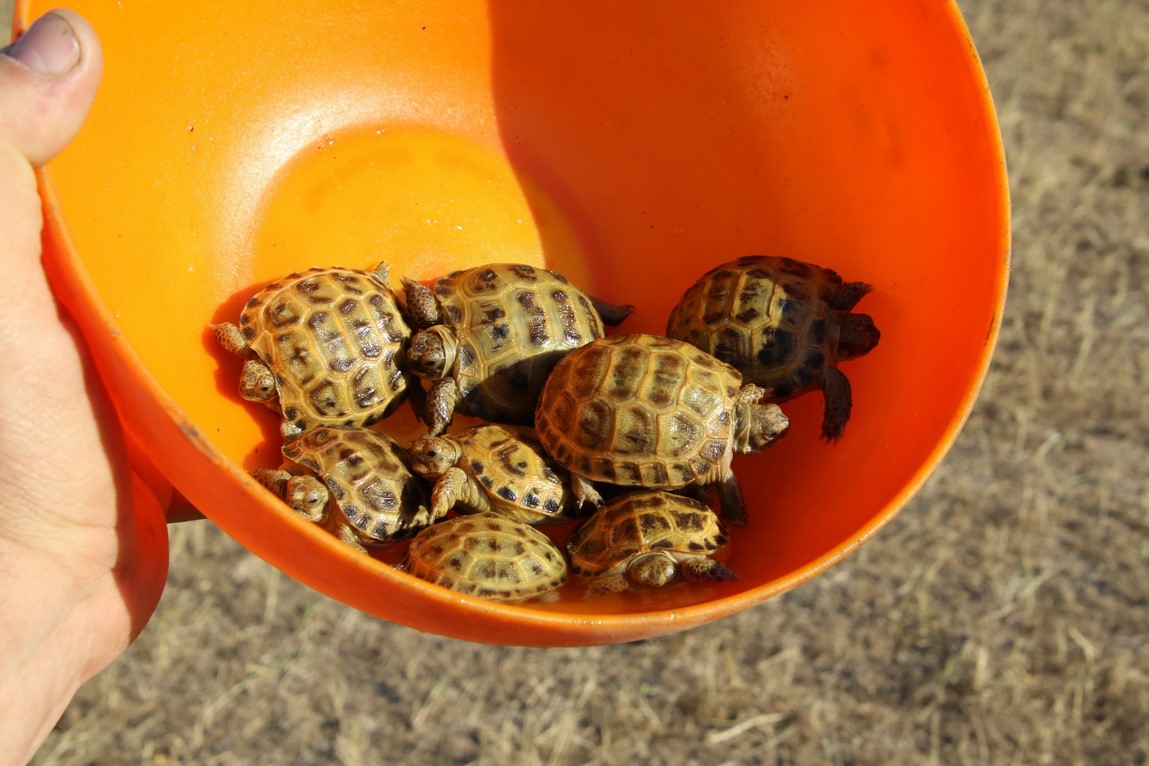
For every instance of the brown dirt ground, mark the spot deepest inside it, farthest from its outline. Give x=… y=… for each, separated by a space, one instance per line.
x=998 y=619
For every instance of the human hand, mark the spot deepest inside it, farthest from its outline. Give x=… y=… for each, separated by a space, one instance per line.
x=73 y=594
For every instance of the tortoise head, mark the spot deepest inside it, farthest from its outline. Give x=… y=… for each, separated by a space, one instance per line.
x=431 y=456
x=654 y=569
x=257 y=383
x=857 y=336
x=431 y=354
x=756 y=426
x=308 y=496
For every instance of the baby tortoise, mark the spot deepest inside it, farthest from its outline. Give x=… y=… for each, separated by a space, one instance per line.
x=489 y=556
x=352 y=481
x=648 y=411
x=783 y=324
x=326 y=347
x=648 y=538
x=493 y=467
x=488 y=337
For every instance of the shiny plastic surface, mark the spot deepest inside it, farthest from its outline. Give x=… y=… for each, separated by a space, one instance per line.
x=232 y=143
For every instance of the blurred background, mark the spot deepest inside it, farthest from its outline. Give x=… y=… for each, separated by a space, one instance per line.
x=1000 y=618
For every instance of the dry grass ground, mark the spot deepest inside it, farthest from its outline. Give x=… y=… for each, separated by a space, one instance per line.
x=1001 y=618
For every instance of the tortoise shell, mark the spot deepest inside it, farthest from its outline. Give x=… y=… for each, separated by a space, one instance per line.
x=489 y=556
x=641 y=522
x=367 y=476
x=505 y=463
x=335 y=340
x=513 y=322
x=784 y=324
x=639 y=410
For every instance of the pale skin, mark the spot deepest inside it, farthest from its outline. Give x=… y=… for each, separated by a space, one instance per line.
x=76 y=588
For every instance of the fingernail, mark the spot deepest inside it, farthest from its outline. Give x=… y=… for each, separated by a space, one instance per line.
x=48 y=47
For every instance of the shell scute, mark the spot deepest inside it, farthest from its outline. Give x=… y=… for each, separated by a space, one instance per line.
x=488 y=556
x=335 y=340
x=638 y=410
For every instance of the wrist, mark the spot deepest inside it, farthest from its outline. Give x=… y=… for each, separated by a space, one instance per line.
x=56 y=634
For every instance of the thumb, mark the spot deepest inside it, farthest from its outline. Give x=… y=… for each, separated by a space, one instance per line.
x=48 y=79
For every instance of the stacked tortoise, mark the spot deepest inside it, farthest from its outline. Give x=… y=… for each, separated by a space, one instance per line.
x=493 y=467
x=326 y=346
x=648 y=411
x=488 y=337
x=783 y=324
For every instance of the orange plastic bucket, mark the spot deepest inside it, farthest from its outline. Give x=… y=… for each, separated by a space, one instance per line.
x=630 y=149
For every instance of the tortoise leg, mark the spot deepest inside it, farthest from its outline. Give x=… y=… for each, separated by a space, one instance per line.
x=440 y=409
x=730 y=500
x=702 y=569
x=584 y=491
x=230 y=337
x=848 y=296
x=347 y=535
x=417 y=397
x=422 y=308
x=455 y=487
x=422 y=518
x=382 y=272
x=612 y=314
x=836 y=391
x=613 y=582
x=272 y=478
